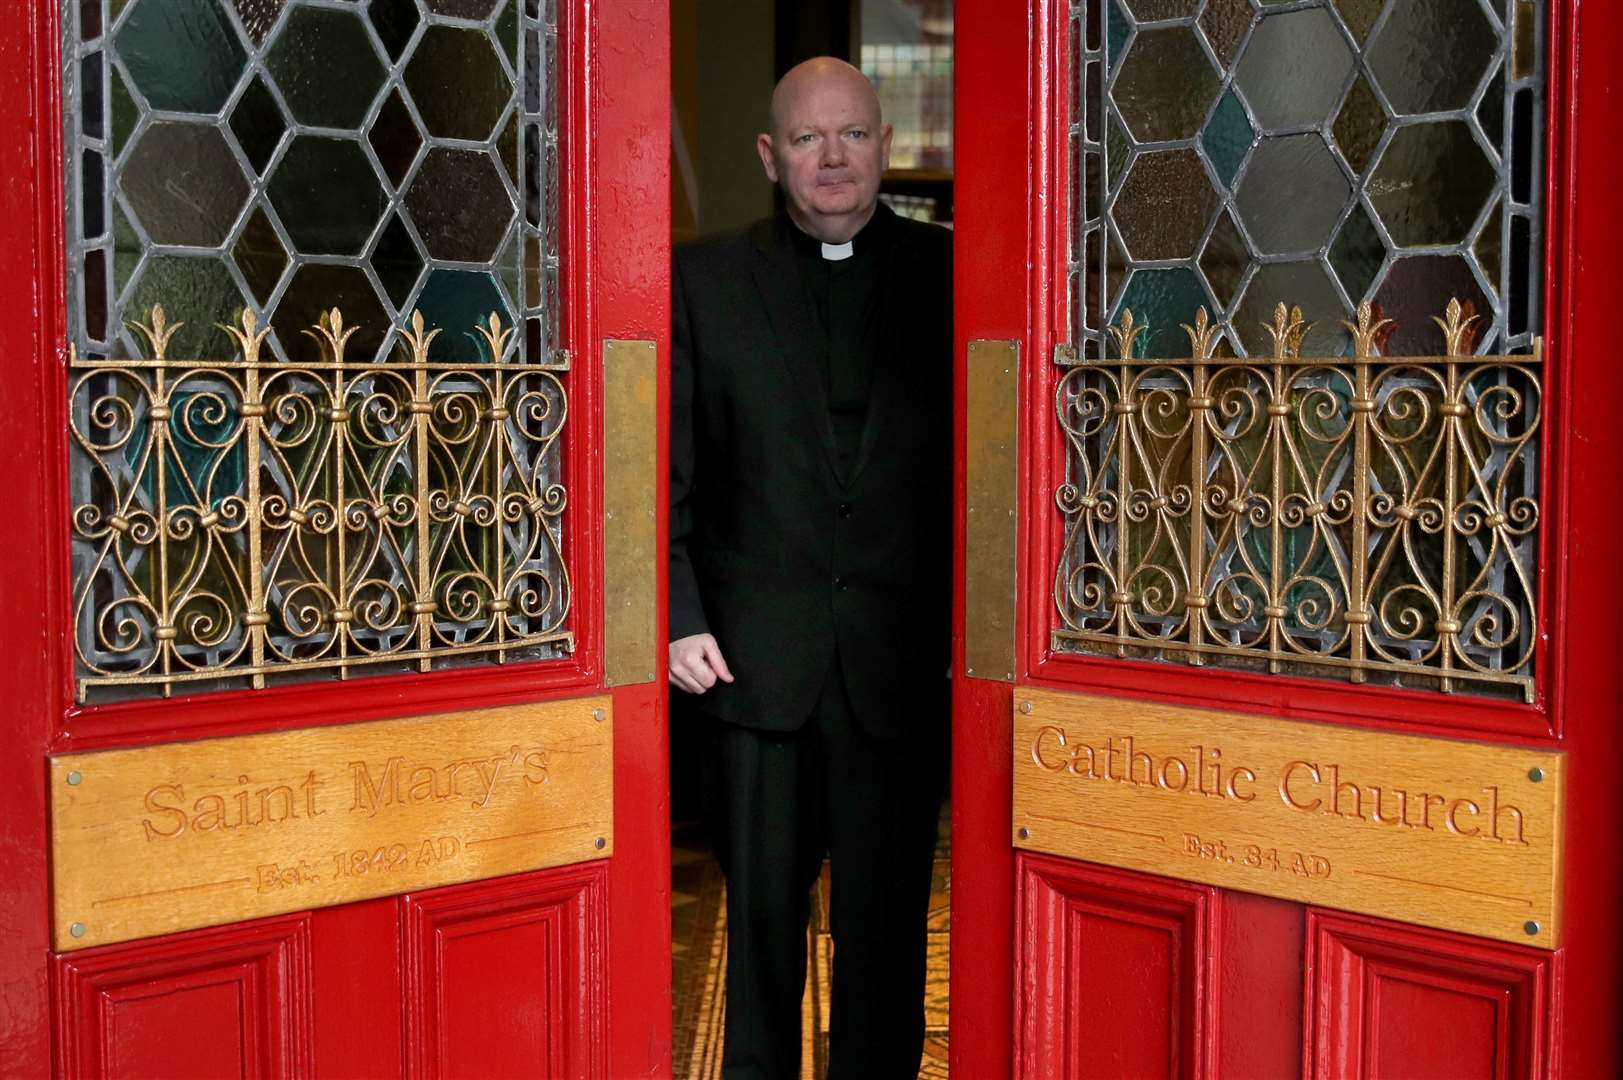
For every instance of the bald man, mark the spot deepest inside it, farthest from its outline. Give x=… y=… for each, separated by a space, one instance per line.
x=811 y=530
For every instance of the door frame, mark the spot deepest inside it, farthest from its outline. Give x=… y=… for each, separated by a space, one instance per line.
x=1012 y=187
x=616 y=280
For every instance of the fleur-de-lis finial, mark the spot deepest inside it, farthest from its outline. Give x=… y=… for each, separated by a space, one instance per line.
x=1203 y=336
x=331 y=334
x=1127 y=333
x=158 y=332
x=1287 y=331
x=495 y=337
x=419 y=339
x=1457 y=328
x=1366 y=330
x=249 y=338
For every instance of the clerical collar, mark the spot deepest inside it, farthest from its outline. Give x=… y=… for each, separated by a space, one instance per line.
x=838 y=252
x=867 y=238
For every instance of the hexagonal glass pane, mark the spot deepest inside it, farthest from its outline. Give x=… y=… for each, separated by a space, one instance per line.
x=1166 y=85
x=1431 y=184
x=1303 y=284
x=1405 y=52
x=184 y=184
x=1294 y=69
x=1292 y=194
x=457 y=83
x=324 y=64
x=1163 y=300
x=1164 y=205
x=183 y=55
x=1409 y=295
x=327 y=196
x=459 y=204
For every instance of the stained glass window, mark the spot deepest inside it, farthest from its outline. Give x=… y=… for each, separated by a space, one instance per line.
x=339 y=495
x=1233 y=154
x=907 y=54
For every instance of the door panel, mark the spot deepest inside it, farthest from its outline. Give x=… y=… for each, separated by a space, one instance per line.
x=1283 y=988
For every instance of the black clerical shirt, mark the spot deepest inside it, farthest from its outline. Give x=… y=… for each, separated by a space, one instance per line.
x=845 y=294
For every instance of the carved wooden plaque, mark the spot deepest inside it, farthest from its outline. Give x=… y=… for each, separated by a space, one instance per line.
x=184 y=835
x=1440 y=832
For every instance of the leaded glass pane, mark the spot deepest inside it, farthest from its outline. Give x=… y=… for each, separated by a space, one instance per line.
x=288 y=157
x=1345 y=486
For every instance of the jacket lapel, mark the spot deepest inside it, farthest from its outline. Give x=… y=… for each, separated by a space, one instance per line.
x=789 y=308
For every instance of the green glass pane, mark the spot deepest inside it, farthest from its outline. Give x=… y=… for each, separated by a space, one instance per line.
x=1490 y=246
x=457 y=301
x=1116 y=35
x=184 y=55
x=457 y=83
x=1303 y=284
x=260 y=255
x=126 y=250
x=1357 y=253
x=507 y=29
x=1227 y=137
x=1164 y=300
x=325 y=66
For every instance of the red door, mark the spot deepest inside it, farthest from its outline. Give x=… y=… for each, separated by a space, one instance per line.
x=1256 y=560
x=272 y=597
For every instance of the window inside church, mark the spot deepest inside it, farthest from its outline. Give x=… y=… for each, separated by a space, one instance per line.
x=318 y=378
x=1286 y=492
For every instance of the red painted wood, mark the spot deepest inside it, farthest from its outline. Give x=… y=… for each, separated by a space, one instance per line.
x=31 y=579
x=356 y=989
x=230 y=1001
x=1114 y=969
x=506 y=978
x=1259 y=987
x=1395 y=1001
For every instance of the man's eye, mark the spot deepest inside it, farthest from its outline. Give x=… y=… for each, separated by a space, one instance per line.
x=803 y=139
x=857 y=134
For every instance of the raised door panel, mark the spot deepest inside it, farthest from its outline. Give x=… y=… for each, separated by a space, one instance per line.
x=540 y=939
x=1114 y=969
x=230 y=1002
x=1393 y=1001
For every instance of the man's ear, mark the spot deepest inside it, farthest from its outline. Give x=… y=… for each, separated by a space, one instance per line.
x=884 y=147
x=763 y=146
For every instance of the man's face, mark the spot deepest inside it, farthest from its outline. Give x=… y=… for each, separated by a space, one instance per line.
x=828 y=150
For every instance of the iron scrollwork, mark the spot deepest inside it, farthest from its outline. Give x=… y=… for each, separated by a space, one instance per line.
x=1368 y=516
x=238 y=520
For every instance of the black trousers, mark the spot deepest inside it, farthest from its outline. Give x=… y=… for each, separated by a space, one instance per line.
x=774 y=804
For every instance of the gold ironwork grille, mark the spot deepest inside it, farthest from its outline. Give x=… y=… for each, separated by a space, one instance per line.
x=1366 y=516
x=235 y=521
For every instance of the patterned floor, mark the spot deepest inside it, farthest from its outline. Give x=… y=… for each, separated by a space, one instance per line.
x=699 y=945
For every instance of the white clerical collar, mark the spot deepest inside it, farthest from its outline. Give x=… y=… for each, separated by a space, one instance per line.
x=837 y=252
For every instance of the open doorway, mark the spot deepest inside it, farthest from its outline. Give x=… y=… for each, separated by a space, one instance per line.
x=726 y=58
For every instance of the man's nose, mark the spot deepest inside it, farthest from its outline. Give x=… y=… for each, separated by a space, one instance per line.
x=833 y=152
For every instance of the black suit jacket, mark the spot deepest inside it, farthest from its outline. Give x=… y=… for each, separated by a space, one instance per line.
x=771 y=550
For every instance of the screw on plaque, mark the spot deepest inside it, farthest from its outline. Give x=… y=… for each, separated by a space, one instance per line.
x=599 y=715
x=601 y=843
x=1535 y=774
x=1026 y=707
x=1532 y=927
x=74 y=778
x=1025 y=833
x=77 y=929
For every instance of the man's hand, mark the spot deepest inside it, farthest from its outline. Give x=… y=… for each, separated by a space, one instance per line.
x=696 y=663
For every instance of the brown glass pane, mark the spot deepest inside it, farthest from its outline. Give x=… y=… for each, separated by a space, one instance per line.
x=260 y=256
x=459 y=205
x=458 y=83
x=89 y=20
x=92 y=214
x=1418 y=289
x=462 y=9
x=395 y=138
x=90 y=96
x=533 y=167
x=1302 y=284
x=395 y=21
x=1093 y=100
x=196 y=289
x=1523 y=273
x=1293 y=68
x=1359 y=126
x=257 y=123
x=1164 y=205
x=1225 y=260
x=1166 y=85
x=1292 y=194
x=397 y=261
x=315 y=289
x=1225 y=23
x=1358 y=253
x=327 y=196
x=258 y=17
x=1431 y=184
x=182 y=54
x=1489 y=246
x=1092 y=279
x=325 y=66
x=1360 y=16
x=184 y=184
x=1149 y=10
x=1431 y=55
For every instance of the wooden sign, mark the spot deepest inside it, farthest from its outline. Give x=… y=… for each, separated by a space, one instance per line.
x=1440 y=832
x=184 y=835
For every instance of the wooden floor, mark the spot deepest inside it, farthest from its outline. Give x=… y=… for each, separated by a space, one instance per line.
x=699 y=944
